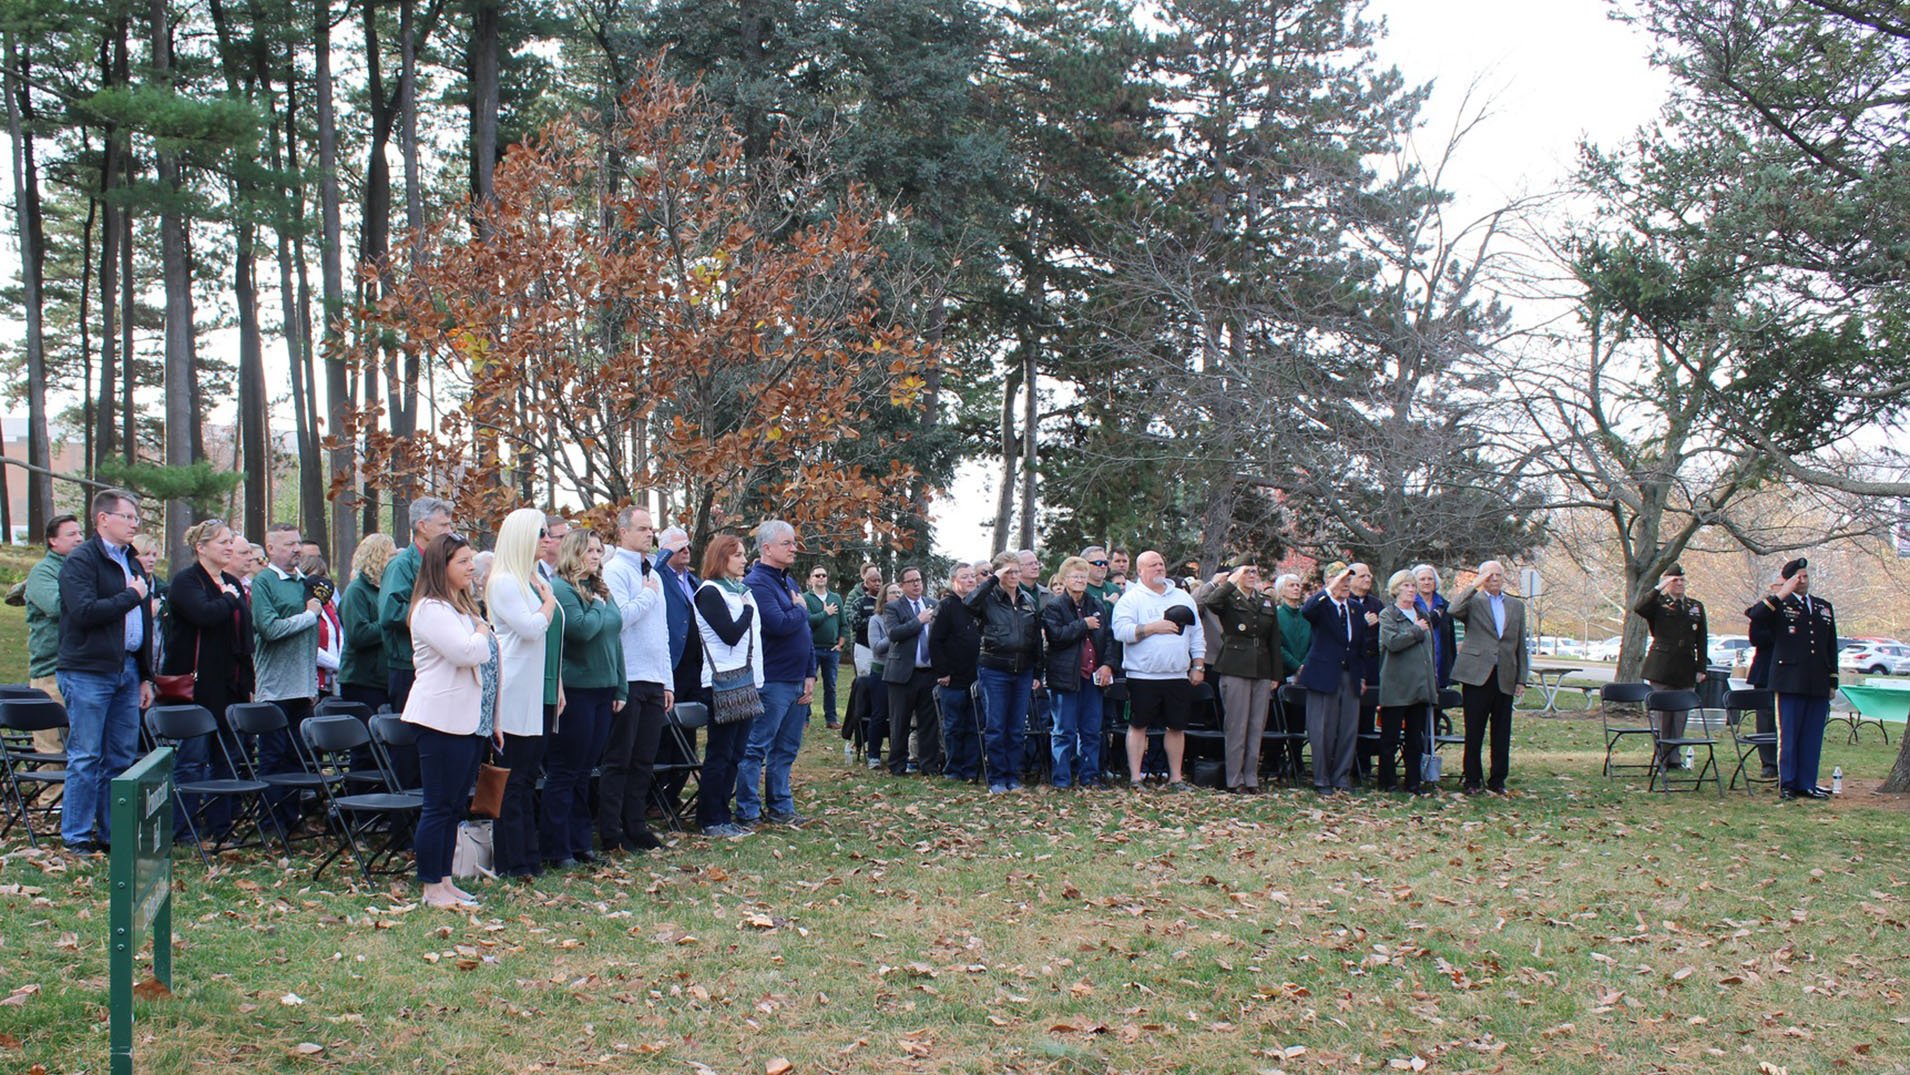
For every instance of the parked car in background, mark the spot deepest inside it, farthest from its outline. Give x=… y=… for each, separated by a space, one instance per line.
x=1558 y=646
x=1605 y=649
x=1876 y=658
x=1726 y=648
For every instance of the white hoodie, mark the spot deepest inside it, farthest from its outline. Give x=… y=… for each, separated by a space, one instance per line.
x=1157 y=656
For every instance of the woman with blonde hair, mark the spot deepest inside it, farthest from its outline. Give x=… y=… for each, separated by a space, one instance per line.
x=208 y=636
x=594 y=688
x=530 y=643
x=362 y=673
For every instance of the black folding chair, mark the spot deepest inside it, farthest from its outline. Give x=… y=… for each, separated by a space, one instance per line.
x=392 y=742
x=1737 y=706
x=31 y=774
x=1366 y=749
x=22 y=691
x=364 y=773
x=1284 y=734
x=178 y=725
x=1445 y=732
x=1632 y=720
x=1206 y=739
x=680 y=724
x=331 y=740
x=249 y=722
x=1665 y=746
x=1290 y=705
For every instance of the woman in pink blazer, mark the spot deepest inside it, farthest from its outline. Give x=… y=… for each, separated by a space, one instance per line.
x=453 y=702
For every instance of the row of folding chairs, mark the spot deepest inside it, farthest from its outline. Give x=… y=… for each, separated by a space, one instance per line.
x=1625 y=711
x=34 y=777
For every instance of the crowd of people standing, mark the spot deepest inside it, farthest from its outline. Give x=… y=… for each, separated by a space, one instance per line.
x=562 y=652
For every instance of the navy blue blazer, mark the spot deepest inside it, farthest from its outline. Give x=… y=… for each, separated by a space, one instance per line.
x=676 y=606
x=1330 y=653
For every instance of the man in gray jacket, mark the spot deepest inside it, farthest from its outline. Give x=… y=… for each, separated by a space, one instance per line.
x=1490 y=669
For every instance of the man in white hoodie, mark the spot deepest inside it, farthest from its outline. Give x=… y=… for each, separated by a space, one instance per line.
x=630 y=755
x=1164 y=655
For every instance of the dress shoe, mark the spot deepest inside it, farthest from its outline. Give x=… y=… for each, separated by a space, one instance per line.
x=1815 y=793
x=1785 y=795
x=1473 y=789
x=1770 y=772
x=642 y=841
x=588 y=858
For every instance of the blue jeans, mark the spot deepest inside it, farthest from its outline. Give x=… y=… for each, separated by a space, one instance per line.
x=1076 y=742
x=447 y=764
x=774 y=739
x=1005 y=698
x=102 y=713
x=827 y=660
x=571 y=752
x=961 y=738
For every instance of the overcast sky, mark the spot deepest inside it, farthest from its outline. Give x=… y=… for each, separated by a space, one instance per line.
x=1553 y=73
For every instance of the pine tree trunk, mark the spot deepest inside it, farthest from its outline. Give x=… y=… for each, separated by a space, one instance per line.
x=177 y=271
x=253 y=451
x=484 y=100
x=339 y=400
x=105 y=407
x=1010 y=450
x=374 y=247
x=26 y=189
x=1029 y=419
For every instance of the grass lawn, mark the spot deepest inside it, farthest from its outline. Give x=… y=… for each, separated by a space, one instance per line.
x=1580 y=926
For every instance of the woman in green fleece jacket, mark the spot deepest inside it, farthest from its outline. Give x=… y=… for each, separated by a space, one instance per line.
x=594 y=688
x=363 y=675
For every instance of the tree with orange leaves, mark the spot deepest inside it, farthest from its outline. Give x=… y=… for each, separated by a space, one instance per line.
x=638 y=307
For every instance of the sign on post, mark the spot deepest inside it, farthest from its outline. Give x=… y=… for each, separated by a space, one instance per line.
x=142 y=887
x=1530 y=585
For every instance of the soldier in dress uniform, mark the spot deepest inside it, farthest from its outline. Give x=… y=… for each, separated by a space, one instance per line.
x=1677 y=659
x=1803 y=674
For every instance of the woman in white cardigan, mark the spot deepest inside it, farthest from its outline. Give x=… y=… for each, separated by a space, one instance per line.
x=731 y=635
x=523 y=611
x=453 y=701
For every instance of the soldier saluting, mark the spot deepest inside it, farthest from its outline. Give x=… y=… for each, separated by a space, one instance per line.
x=1677 y=659
x=1803 y=673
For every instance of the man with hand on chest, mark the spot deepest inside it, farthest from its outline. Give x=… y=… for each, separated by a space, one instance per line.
x=1803 y=676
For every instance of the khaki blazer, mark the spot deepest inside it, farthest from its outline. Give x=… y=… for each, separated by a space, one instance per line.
x=1486 y=651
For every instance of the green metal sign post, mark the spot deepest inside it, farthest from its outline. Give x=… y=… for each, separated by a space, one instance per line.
x=142 y=887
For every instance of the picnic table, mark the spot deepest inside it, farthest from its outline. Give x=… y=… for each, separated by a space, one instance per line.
x=1874 y=703
x=1550 y=680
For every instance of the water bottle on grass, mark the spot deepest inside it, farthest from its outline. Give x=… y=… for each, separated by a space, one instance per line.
x=1837 y=780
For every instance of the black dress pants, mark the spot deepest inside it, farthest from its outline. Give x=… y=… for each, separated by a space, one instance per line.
x=629 y=766
x=914 y=701
x=1488 y=709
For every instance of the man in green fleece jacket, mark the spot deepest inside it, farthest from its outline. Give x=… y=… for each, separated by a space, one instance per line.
x=63 y=535
x=430 y=519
